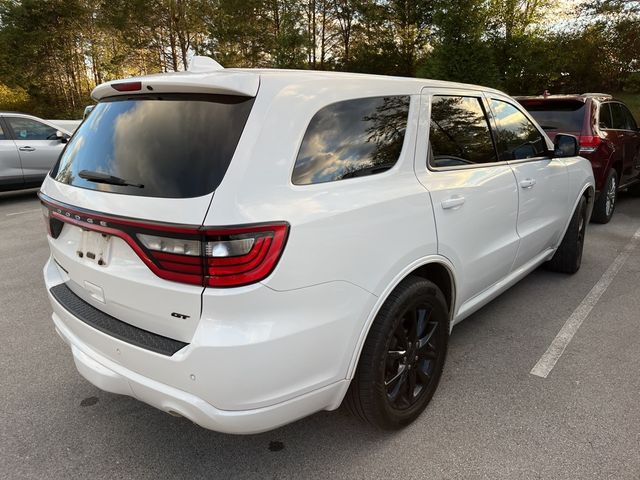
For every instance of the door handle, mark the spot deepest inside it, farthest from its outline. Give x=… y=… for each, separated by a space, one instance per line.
x=528 y=182
x=453 y=202
x=26 y=149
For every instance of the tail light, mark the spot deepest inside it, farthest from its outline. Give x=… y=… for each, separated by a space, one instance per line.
x=589 y=144
x=127 y=86
x=227 y=257
x=207 y=256
x=47 y=218
x=54 y=225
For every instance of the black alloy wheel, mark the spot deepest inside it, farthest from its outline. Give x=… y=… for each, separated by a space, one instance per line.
x=411 y=357
x=568 y=256
x=403 y=356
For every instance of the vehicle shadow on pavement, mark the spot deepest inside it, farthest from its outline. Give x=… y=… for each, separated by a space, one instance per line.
x=147 y=440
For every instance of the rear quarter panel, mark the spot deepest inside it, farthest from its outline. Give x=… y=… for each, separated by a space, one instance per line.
x=361 y=230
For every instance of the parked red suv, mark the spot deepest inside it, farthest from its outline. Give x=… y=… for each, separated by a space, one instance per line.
x=609 y=138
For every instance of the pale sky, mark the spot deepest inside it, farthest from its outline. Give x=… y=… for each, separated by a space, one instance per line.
x=563 y=14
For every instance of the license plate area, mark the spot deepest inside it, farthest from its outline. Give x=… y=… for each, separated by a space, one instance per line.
x=95 y=247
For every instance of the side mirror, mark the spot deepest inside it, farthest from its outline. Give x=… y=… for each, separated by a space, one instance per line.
x=565 y=146
x=61 y=136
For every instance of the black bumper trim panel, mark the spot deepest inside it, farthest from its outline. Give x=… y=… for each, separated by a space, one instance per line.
x=112 y=326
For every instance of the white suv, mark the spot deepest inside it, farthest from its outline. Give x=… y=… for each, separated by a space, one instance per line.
x=247 y=247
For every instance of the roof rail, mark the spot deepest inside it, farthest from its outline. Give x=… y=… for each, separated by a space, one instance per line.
x=592 y=94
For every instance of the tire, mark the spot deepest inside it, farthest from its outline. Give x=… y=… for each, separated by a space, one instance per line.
x=568 y=257
x=413 y=321
x=606 y=202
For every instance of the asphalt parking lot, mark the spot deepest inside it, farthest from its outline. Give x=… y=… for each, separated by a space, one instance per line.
x=490 y=418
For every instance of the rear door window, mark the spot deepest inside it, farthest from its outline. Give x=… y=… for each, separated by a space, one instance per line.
x=27 y=129
x=352 y=138
x=619 y=120
x=459 y=132
x=518 y=137
x=162 y=145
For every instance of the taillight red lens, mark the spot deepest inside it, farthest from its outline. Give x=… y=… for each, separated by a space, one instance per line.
x=222 y=258
x=127 y=86
x=178 y=267
x=261 y=249
x=589 y=144
x=207 y=256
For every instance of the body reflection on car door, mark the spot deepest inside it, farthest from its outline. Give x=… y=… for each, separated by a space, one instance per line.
x=471 y=191
x=542 y=180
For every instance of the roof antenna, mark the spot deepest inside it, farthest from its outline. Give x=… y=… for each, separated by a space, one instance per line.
x=200 y=63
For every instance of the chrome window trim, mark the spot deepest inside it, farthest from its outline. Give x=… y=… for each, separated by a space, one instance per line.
x=532 y=159
x=465 y=167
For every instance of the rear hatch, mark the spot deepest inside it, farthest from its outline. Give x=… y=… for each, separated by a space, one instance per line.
x=557 y=115
x=127 y=198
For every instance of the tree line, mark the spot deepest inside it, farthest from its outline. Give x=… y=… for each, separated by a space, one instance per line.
x=53 y=52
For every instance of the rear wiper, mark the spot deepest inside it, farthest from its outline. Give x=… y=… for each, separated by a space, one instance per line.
x=548 y=127
x=98 y=177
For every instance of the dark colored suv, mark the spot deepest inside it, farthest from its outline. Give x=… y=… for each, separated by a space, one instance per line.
x=609 y=138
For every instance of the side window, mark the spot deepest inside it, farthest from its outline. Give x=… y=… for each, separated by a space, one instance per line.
x=27 y=129
x=353 y=138
x=2 y=135
x=631 y=122
x=605 y=116
x=619 y=120
x=519 y=138
x=459 y=132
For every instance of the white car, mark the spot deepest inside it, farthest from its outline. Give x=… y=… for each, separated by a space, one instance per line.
x=248 y=247
x=29 y=147
x=69 y=126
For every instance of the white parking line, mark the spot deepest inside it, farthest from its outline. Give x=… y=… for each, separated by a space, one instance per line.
x=571 y=326
x=24 y=211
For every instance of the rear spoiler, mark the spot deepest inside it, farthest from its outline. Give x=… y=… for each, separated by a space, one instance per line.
x=204 y=77
x=550 y=98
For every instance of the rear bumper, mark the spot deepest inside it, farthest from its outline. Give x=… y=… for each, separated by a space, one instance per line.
x=227 y=378
x=114 y=378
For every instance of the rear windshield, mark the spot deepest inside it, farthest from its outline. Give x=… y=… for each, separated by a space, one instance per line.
x=565 y=116
x=172 y=146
